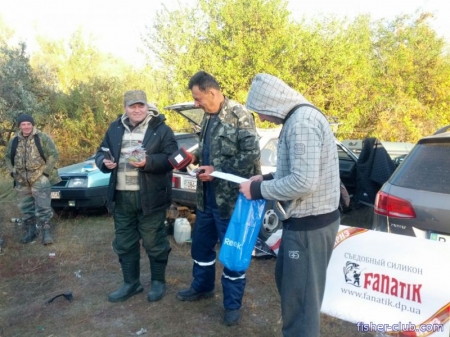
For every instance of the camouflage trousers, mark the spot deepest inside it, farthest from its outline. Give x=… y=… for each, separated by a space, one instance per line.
x=35 y=201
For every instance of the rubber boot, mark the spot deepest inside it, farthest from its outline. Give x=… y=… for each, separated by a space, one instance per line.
x=30 y=231
x=46 y=237
x=158 y=283
x=131 y=285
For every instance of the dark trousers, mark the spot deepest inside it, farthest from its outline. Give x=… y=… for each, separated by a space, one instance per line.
x=131 y=226
x=208 y=229
x=300 y=275
x=35 y=201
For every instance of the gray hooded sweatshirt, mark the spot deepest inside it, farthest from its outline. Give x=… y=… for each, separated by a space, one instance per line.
x=307 y=177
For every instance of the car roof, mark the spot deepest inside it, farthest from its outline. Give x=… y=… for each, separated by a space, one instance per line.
x=437 y=135
x=442 y=130
x=357 y=144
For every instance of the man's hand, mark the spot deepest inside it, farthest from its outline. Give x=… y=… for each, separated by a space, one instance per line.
x=259 y=177
x=193 y=159
x=109 y=164
x=244 y=188
x=205 y=173
x=139 y=164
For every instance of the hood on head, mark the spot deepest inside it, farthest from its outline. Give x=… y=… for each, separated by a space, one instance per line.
x=268 y=95
x=152 y=110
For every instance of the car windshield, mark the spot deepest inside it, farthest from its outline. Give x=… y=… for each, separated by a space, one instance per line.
x=417 y=172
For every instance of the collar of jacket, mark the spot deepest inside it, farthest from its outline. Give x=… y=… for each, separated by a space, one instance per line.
x=152 y=122
x=35 y=131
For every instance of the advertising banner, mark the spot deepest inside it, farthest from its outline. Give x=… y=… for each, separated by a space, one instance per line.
x=390 y=284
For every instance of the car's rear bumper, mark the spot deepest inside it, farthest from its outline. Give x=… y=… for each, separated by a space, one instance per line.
x=93 y=197
x=184 y=197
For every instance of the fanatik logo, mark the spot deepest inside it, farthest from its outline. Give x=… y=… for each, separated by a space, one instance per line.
x=232 y=243
x=382 y=283
x=352 y=273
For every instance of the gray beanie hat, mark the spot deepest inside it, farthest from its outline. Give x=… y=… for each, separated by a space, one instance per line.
x=24 y=118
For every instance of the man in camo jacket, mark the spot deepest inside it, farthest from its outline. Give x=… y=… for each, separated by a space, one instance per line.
x=228 y=143
x=32 y=165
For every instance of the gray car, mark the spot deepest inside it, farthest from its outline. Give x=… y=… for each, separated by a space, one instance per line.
x=415 y=201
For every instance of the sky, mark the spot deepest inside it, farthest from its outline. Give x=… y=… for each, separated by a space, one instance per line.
x=117 y=26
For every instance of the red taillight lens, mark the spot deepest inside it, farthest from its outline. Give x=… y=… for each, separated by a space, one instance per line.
x=175 y=182
x=388 y=205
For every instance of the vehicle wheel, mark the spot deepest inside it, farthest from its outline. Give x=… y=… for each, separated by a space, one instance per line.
x=271 y=222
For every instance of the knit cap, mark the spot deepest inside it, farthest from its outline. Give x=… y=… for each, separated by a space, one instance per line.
x=24 y=118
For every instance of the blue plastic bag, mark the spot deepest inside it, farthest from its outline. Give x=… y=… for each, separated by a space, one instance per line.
x=243 y=229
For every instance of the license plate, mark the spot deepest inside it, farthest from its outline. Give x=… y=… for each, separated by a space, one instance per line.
x=55 y=195
x=190 y=184
x=440 y=237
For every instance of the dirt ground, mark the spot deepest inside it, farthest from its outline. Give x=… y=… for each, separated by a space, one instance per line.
x=85 y=266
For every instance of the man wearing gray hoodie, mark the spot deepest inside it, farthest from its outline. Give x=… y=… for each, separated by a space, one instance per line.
x=306 y=184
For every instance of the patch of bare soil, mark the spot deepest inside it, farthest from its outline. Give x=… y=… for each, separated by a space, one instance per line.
x=85 y=265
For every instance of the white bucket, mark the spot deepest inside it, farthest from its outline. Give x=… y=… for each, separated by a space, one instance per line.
x=182 y=230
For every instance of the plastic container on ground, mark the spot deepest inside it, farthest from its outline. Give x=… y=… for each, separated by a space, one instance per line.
x=182 y=230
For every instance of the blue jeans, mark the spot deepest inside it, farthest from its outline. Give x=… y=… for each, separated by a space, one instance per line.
x=208 y=229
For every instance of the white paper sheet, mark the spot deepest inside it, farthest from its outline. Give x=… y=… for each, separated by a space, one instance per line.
x=229 y=177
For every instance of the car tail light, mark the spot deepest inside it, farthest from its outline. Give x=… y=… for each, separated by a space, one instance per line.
x=175 y=182
x=389 y=205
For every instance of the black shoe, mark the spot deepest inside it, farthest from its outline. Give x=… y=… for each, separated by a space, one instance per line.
x=232 y=317
x=46 y=237
x=157 y=291
x=125 y=292
x=190 y=295
x=31 y=233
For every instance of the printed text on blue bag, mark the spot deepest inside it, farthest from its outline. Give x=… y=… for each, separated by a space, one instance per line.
x=232 y=243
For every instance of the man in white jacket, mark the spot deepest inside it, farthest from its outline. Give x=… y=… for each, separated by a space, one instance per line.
x=306 y=183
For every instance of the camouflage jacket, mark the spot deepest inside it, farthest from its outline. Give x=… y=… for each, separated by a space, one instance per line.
x=234 y=149
x=28 y=163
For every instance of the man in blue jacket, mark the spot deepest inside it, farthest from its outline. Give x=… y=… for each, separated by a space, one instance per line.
x=141 y=189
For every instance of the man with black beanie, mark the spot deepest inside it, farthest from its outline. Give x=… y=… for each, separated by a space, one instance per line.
x=31 y=157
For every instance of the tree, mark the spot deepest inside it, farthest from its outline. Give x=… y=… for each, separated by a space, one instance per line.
x=233 y=40
x=5 y=32
x=88 y=92
x=20 y=90
x=380 y=79
x=333 y=69
x=412 y=77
